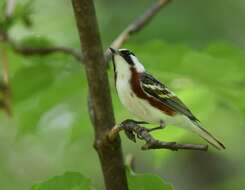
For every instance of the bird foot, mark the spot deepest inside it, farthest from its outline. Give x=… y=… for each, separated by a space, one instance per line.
x=128 y=125
x=162 y=126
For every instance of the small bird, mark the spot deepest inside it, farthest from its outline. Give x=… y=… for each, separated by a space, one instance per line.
x=150 y=100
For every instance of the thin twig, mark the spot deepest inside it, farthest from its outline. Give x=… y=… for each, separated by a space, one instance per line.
x=29 y=51
x=5 y=66
x=136 y=26
x=6 y=90
x=131 y=128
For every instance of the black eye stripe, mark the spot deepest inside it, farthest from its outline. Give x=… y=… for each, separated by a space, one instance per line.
x=128 y=59
x=126 y=54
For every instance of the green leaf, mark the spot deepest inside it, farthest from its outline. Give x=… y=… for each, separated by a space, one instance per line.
x=31 y=80
x=36 y=41
x=32 y=110
x=2 y=14
x=67 y=181
x=22 y=13
x=145 y=182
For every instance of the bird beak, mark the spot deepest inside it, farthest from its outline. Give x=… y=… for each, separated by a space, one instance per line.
x=114 y=51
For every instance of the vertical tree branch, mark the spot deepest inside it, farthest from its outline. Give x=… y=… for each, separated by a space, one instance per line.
x=110 y=153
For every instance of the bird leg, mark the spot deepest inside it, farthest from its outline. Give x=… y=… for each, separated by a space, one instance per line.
x=162 y=126
x=136 y=122
x=139 y=123
x=129 y=124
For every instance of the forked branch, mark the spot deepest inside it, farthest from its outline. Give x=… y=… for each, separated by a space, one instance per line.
x=131 y=128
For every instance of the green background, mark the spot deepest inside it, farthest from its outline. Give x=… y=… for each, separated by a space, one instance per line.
x=194 y=47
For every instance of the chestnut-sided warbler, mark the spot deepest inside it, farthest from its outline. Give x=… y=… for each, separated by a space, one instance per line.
x=150 y=100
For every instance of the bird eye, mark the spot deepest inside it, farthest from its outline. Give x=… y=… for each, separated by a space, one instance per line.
x=126 y=52
x=127 y=55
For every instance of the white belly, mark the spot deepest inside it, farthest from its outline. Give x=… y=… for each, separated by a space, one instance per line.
x=140 y=107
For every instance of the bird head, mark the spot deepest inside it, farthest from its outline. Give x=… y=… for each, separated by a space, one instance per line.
x=124 y=60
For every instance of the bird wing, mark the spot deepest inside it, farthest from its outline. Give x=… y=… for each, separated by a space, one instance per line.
x=152 y=87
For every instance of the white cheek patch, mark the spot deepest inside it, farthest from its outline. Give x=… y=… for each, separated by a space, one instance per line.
x=139 y=67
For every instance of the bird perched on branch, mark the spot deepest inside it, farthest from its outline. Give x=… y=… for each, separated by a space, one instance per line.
x=150 y=100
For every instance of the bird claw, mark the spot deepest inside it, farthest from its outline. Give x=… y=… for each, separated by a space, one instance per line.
x=133 y=122
x=162 y=126
x=130 y=134
x=128 y=126
x=139 y=137
x=155 y=128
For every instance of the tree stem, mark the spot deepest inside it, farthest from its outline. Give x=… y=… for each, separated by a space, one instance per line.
x=110 y=153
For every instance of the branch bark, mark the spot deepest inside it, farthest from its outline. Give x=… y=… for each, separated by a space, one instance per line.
x=109 y=152
x=30 y=51
x=41 y=51
x=131 y=128
x=136 y=26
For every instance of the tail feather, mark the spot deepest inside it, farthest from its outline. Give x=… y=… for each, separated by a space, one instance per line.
x=207 y=136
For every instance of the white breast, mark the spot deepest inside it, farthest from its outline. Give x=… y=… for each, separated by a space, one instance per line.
x=137 y=106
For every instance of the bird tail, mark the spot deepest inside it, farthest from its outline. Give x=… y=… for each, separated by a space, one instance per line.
x=207 y=136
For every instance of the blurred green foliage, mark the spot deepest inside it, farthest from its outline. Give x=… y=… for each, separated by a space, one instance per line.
x=190 y=46
x=35 y=41
x=145 y=181
x=76 y=181
x=22 y=13
x=68 y=181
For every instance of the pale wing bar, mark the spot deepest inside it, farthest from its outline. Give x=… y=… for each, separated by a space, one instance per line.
x=156 y=89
